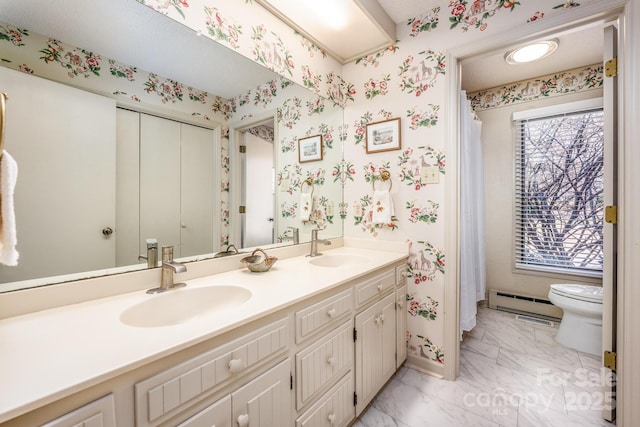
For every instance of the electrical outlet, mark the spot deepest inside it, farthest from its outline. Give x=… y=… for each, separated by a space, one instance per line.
x=284 y=185
x=429 y=175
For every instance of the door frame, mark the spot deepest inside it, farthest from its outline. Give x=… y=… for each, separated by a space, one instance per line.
x=591 y=13
x=236 y=181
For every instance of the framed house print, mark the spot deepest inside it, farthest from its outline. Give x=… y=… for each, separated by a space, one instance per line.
x=310 y=149
x=383 y=136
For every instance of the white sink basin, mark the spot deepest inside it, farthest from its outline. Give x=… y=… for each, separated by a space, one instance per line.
x=180 y=305
x=344 y=260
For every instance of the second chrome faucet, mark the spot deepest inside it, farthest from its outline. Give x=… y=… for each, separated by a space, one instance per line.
x=314 y=243
x=169 y=267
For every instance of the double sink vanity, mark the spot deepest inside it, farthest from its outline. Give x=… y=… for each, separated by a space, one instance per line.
x=308 y=343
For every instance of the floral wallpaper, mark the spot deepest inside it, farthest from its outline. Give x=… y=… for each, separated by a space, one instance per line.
x=577 y=80
x=406 y=81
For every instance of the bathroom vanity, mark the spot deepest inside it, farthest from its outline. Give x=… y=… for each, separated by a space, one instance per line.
x=308 y=343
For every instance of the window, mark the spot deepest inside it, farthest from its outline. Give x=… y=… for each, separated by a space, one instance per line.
x=559 y=204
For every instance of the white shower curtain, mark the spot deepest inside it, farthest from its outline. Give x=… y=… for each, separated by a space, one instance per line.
x=472 y=232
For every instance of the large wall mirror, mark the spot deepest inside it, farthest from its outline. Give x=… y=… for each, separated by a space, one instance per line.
x=123 y=166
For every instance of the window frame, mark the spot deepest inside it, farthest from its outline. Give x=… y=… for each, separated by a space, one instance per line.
x=541 y=113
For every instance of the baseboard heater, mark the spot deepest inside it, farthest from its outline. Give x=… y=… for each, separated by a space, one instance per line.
x=523 y=304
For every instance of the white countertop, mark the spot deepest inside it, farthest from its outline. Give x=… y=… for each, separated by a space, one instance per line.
x=51 y=354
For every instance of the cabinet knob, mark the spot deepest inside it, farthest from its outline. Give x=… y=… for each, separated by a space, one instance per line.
x=243 y=420
x=331 y=360
x=380 y=287
x=235 y=365
x=382 y=318
x=332 y=313
x=376 y=320
x=400 y=304
x=332 y=418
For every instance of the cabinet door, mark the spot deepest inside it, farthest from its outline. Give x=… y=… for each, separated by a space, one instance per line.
x=265 y=401
x=401 y=325
x=375 y=362
x=216 y=415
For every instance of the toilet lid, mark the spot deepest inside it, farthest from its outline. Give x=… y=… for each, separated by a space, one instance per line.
x=580 y=292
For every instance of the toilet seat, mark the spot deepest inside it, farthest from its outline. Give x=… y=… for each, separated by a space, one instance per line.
x=587 y=293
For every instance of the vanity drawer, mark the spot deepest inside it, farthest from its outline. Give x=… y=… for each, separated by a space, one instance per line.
x=162 y=395
x=100 y=413
x=313 y=318
x=375 y=287
x=334 y=409
x=325 y=361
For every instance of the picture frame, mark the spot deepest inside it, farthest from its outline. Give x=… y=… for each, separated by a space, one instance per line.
x=383 y=136
x=310 y=149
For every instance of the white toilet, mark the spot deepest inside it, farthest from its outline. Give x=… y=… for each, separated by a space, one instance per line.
x=581 y=326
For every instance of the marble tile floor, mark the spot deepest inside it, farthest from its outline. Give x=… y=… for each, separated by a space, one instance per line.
x=512 y=374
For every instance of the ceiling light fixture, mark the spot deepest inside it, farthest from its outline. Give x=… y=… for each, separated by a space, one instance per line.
x=531 y=52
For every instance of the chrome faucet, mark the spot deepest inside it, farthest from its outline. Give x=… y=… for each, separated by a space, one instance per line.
x=295 y=234
x=169 y=267
x=314 y=243
x=152 y=253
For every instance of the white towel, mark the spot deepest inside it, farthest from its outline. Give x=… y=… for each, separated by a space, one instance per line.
x=382 y=207
x=8 y=239
x=306 y=205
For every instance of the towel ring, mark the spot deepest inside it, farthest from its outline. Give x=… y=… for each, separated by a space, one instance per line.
x=309 y=182
x=384 y=176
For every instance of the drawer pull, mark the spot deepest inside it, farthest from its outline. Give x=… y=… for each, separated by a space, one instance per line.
x=235 y=365
x=332 y=418
x=380 y=287
x=243 y=420
x=400 y=304
x=332 y=313
x=331 y=361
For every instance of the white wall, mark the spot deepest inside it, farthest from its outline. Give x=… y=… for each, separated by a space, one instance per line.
x=498 y=161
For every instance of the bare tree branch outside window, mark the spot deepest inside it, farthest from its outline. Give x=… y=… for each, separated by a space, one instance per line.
x=560 y=191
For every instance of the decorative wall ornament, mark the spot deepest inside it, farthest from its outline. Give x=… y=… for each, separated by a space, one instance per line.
x=477 y=15
x=373 y=88
x=290 y=112
x=315 y=106
x=310 y=80
x=419 y=118
x=427 y=214
x=343 y=171
x=339 y=91
x=221 y=29
x=288 y=145
x=374 y=59
x=418 y=78
x=78 y=62
x=427 y=22
x=427 y=309
x=425 y=262
x=271 y=51
x=576 y=80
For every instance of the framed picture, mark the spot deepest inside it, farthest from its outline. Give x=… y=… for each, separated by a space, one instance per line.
x=310 y=149
x=383 y=136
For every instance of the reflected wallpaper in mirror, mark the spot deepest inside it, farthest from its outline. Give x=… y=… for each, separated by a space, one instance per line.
x=46 y=257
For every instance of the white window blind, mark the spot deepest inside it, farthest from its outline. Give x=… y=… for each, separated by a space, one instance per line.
x=559 y=203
